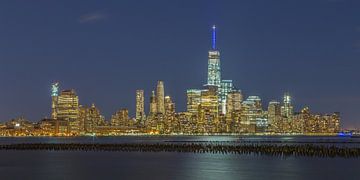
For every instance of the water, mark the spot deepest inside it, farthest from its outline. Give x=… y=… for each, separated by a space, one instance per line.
x=135 y=165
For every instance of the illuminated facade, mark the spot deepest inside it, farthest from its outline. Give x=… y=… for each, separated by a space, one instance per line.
x=140 y=112
x=153 y=109
x=226 y=87
x=169 y=105
x=170 y=121
x=274 y=116
x=218 y=108
x=287 y=109
x=121 y=118
x=209 y=110
x=193 y=101
x=68 y=109
x=234 y=110
x=92 y=119
x=160 y=98
x=252 y=111
x=54 y=99
x=234 y=99
x=214 y=71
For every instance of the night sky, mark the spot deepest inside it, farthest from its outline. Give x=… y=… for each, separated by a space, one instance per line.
x=106 y=50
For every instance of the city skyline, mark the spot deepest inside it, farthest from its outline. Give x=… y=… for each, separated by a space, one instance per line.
x=216 y=108
x=169 y=73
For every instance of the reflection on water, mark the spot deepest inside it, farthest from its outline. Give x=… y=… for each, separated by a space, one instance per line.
x=113 y=165
x=135 y=165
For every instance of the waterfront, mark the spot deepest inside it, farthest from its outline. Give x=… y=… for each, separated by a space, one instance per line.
x=165 y=165
x=331 y=140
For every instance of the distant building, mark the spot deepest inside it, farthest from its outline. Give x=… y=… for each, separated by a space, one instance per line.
x=170 y=121
x=140 y=112
x=54 y=99
x=234 y=110
x=90 y=118
x=274 y=116
x=234 y=99
x=209 y=110
x=214 y=70
x=252 y=111
x=287 y=109
x=169 y=105
x=68 y=109
x=193 y=101
x=225 y=88
x=160 y=97
x=153 y=109
x=120 y=118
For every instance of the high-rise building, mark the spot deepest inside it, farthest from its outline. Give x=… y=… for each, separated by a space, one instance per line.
x=93 y=118
x=140 y=113
x=274 y=116
x=287 y=109
x=169 y=105
x=170 y=121
x=54 y=99
x=68 y=109
x=120 y=118
x=334 y=124
x=68 y=105
x=90 y=118
x=226 y=87
x=193 y=101
x=209 y=110
x=160 y=97
x=234 y=99
x=233 y=111
x=153 y=109
x=214 y=71
x=252 y=112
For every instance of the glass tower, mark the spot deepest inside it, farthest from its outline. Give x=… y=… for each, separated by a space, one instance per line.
x=214 y=73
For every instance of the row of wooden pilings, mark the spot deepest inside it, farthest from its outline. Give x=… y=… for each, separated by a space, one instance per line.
x=308 y=150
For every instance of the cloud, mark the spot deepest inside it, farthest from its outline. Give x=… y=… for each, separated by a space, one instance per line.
x=92 y=17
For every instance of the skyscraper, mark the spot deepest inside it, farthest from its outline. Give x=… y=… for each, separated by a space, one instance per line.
x=153 y=105
x=193 y=101
x=233 y=111
x=169 y=106
x=68 y=105
x=274 y=116
x=169 y=123
x=140 y=114
x=252 y=112
x=234 y=99
x=68 y=109
x=287 y=109
x=226 y=87
x=209 y=110
x=214 y=71
x=160 y=106
x=54 y=99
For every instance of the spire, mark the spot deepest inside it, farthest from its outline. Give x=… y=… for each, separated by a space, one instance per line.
x=213 y=37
